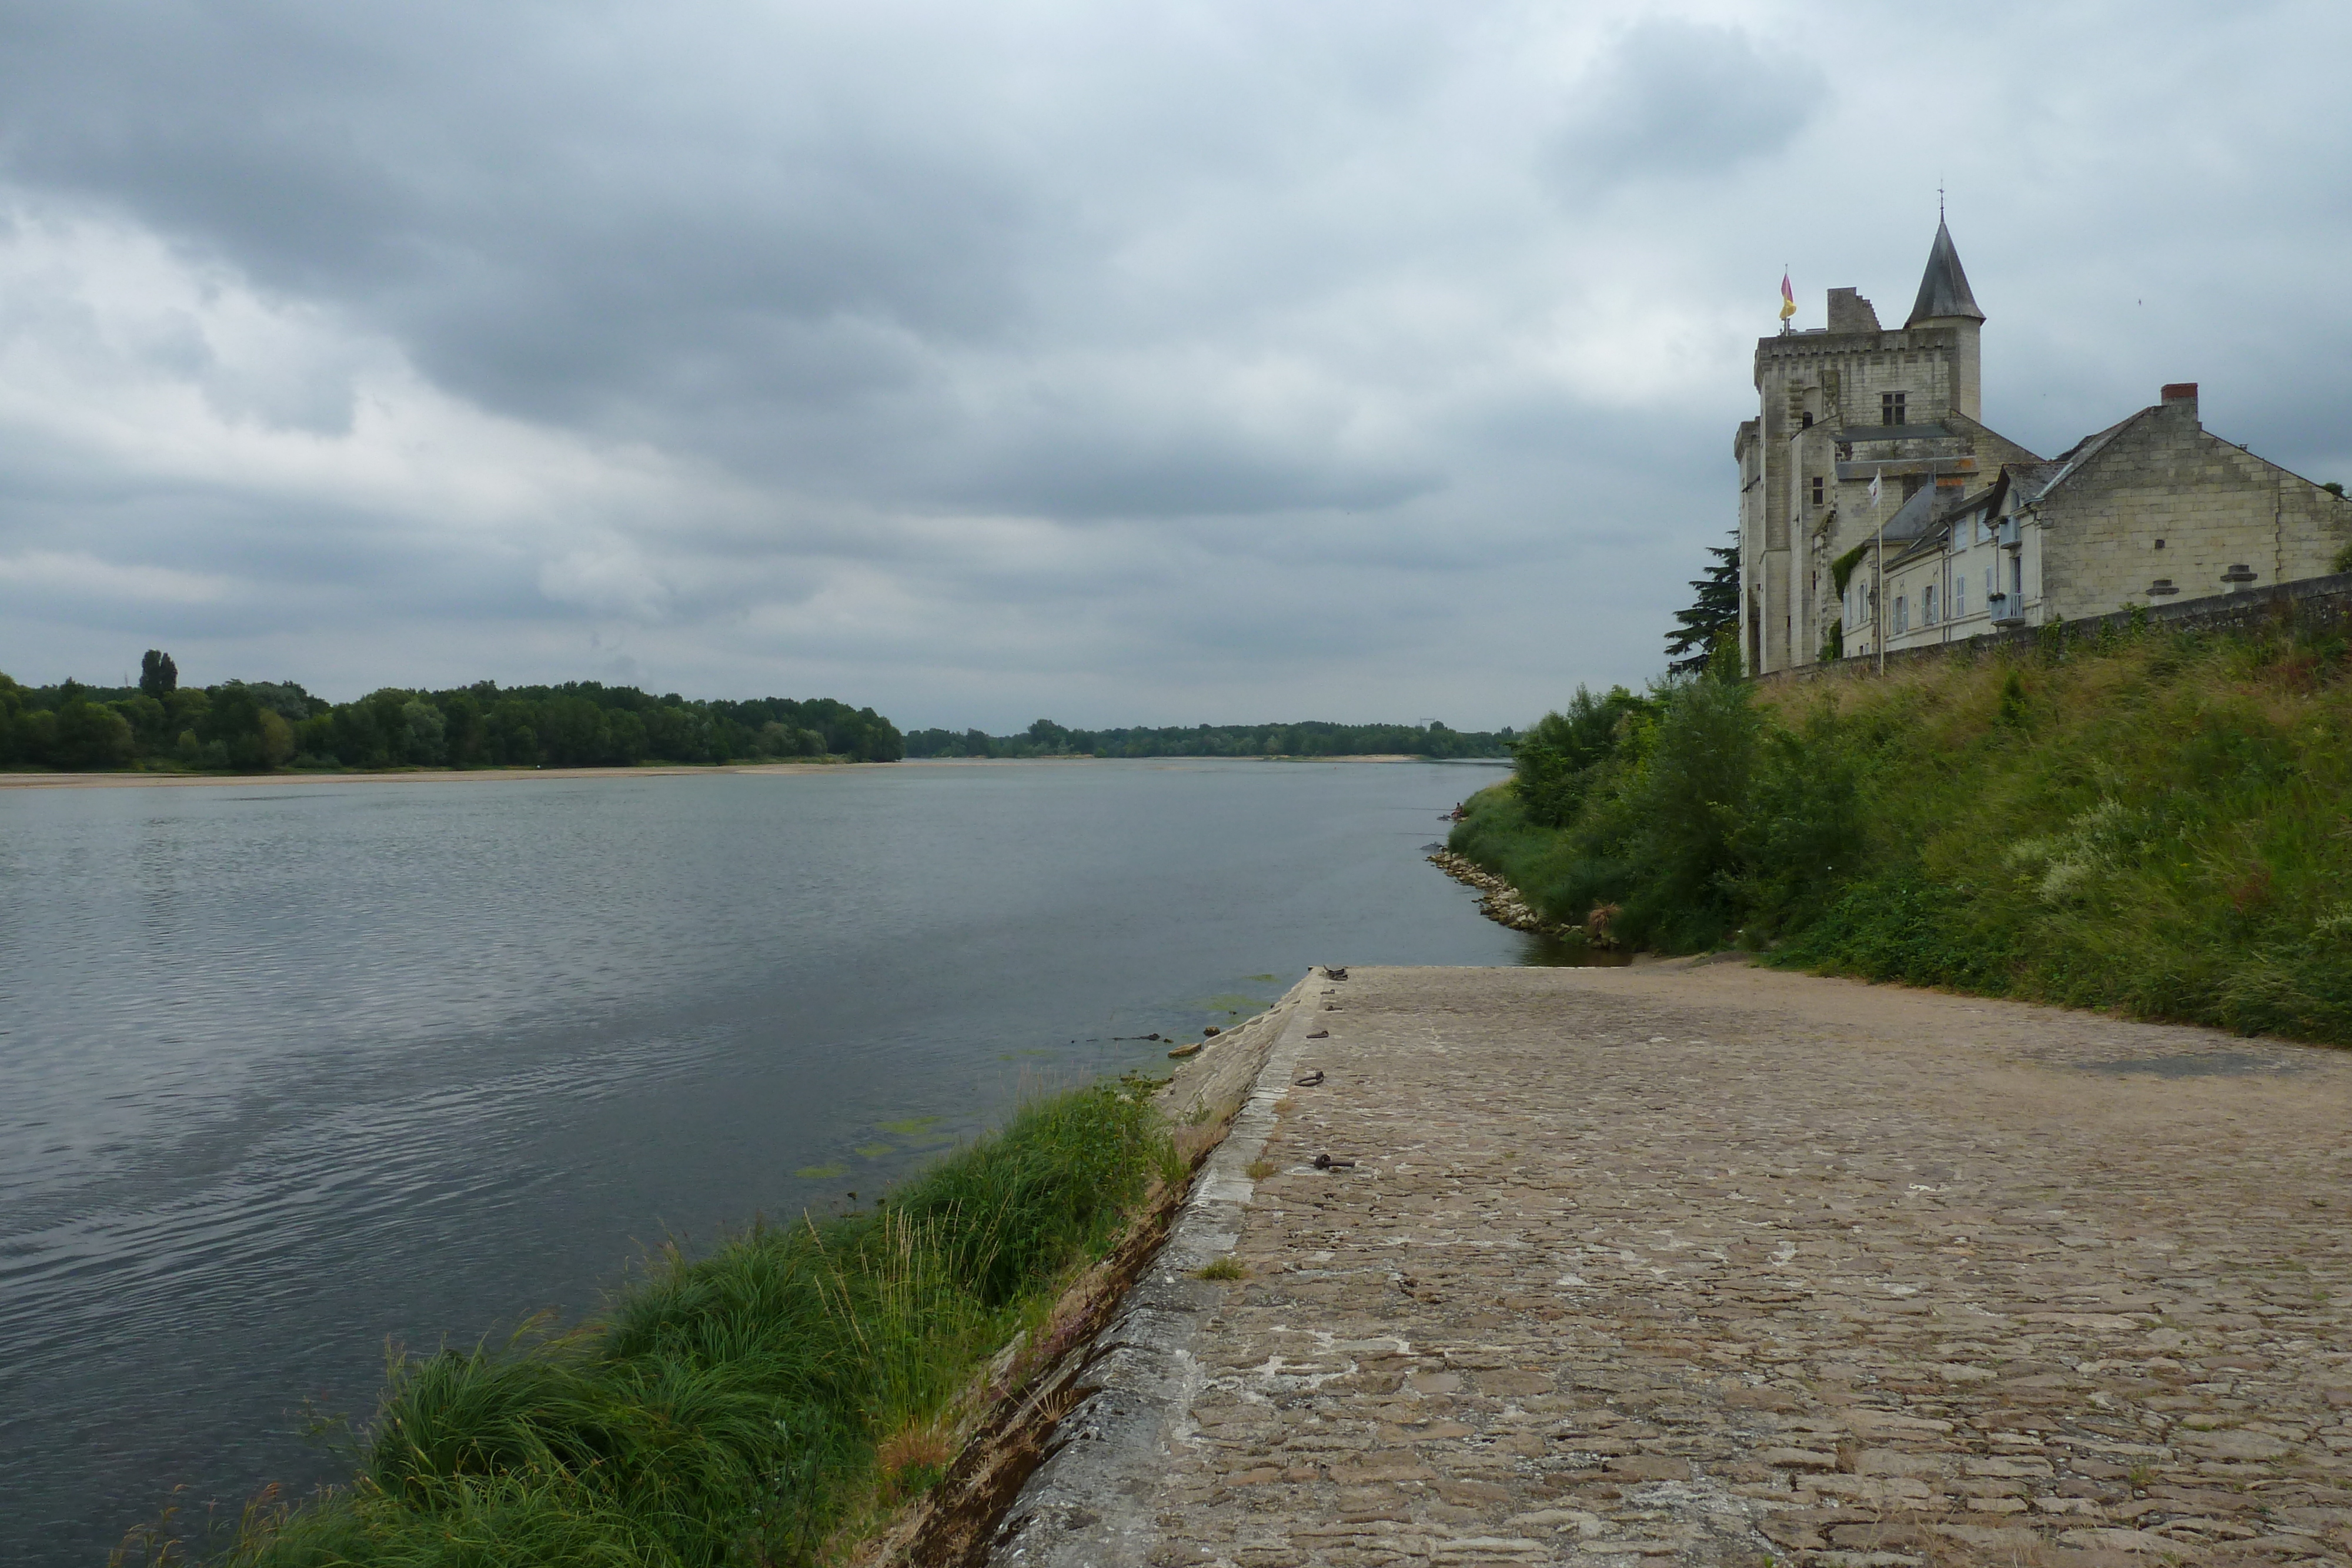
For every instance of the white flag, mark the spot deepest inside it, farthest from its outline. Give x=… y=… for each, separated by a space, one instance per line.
x=1874 y=489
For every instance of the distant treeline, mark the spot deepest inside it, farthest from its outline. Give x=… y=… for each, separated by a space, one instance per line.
x=1047 y=738
x=257 y=726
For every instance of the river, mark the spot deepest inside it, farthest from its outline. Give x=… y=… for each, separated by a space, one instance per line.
x=292 y=1071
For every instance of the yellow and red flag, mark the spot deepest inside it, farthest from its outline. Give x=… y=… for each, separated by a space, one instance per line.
x=1788 y=298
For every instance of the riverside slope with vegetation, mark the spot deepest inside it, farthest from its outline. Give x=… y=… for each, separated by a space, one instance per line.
x=2153 y=822
x=771 y=1403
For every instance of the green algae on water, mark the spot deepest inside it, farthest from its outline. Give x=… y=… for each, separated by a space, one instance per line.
x=1231 y=1004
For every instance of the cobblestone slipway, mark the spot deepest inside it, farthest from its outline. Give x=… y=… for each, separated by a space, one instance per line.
x=1711 y=1264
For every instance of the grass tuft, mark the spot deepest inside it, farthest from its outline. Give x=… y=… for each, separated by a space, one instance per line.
x=1225 y=1268
x=751 y=1404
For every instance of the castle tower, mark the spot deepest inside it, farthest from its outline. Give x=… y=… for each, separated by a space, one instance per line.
x=1944 y=301
x=1838 y=406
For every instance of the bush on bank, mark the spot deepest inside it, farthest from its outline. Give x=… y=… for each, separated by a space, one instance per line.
x=2154 y=822
x=747 y=1406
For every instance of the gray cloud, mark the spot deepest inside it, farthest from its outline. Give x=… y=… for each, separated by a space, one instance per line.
x=1673 y=99
x=1157 y=363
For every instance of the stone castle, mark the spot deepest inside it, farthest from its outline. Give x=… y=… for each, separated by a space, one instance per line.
x=1969 y=532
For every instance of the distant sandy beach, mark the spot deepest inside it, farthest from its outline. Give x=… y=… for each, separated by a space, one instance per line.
x=503 y=775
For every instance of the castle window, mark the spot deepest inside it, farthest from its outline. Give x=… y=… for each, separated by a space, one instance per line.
x=1902 y=615
x=1808 y=425
x=1817 y=489
x=1890 y=408
x=1960 y=597
x=1927 y=607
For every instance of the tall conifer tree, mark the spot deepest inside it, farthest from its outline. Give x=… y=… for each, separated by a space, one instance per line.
x=1711 y=621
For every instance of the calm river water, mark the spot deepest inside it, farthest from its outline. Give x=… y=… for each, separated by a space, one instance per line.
x=291 y=1070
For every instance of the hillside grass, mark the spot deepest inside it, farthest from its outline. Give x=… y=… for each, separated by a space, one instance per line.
x=2153 y=822
x=755 y=1405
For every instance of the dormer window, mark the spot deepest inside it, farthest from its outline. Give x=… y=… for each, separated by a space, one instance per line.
x=1890 y=408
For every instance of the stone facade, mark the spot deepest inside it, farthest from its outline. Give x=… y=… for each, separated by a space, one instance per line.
x=1971 y=533
x=2148 y=512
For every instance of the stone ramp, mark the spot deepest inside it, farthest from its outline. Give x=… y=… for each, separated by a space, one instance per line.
x=1715 y=1265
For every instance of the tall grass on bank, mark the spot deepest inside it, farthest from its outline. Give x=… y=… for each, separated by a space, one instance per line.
x=2153 y=821
x=743 y=1406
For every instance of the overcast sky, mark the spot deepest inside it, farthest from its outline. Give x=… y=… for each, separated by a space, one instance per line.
x=1198 y=360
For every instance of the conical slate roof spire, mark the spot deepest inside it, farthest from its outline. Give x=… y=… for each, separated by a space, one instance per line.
x=1944 y=291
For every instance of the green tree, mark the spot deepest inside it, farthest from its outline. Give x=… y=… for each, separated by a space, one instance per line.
x=13 y=713
x=147 y=722
x=273 y=739
x=188 y=708
x=159 y=678
x=427 y=732
x=1713 y=619
x=1558 y=757
x=90 y=736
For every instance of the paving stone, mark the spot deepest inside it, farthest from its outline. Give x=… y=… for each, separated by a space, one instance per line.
x=1714 y=1265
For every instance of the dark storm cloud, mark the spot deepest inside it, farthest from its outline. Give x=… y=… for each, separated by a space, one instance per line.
x=1367 y=359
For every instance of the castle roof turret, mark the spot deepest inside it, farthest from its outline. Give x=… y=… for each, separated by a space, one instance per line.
x=1944 y=290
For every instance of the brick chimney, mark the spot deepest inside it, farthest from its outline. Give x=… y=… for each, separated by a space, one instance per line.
x=2182 y=394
